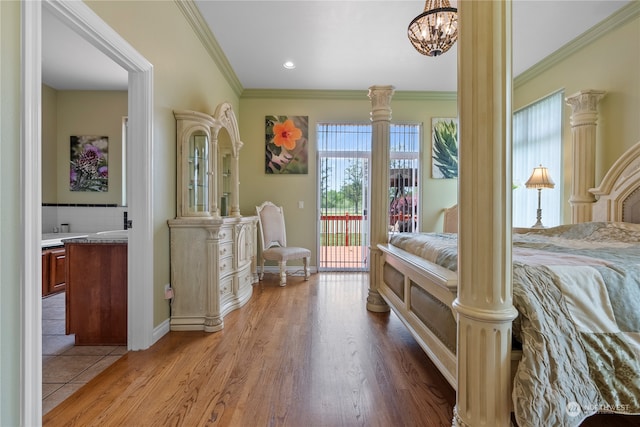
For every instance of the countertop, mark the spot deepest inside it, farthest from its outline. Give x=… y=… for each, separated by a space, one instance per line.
x=114 y=236
x=50 y=240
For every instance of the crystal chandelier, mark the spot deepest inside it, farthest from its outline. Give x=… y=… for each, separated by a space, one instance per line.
x=435 y=30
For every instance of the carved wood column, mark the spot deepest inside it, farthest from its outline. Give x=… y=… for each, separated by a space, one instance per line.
x=235 y=184
x=584 y=116
x=484 y=303
x=379 y=171
x=214 y=196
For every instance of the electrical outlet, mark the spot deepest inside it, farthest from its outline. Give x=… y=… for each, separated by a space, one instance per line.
x=300 y=204
x=168 y=291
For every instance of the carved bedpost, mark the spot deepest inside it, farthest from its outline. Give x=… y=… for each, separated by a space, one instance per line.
x=378 y=216
x=584 y=116
x=484 y=303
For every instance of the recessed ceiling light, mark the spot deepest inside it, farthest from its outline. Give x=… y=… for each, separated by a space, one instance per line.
x=289 y=65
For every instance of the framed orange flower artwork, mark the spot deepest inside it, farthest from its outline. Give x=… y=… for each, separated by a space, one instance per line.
x=287 y=144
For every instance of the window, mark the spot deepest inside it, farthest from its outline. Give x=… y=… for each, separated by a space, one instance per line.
x=537 y=140
x=344 y=152
x=404 y=177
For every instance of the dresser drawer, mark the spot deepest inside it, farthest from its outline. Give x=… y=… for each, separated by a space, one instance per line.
x=225 y=235
x=225 y=265
x=225 y=249
x=226 y=286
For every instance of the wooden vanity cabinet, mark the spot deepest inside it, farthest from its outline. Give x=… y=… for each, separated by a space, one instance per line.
x=53 y=271
x=57 y=270
x=45 y=272
x=96 y=297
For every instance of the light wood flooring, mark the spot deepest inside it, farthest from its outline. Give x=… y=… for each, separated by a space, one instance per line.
x=308 y=354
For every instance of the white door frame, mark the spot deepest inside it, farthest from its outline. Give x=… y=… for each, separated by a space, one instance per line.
x=79 y=17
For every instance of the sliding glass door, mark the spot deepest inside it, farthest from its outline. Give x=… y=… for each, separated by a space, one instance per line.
x=344 y=151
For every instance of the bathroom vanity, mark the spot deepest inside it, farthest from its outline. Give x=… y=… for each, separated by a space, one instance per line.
x=96 y=288
x=54 y=262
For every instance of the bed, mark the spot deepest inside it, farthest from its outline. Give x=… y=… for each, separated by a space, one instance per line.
x=592 y=365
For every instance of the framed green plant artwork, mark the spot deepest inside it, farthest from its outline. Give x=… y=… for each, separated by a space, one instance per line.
x=286 y=139
x=444 y=148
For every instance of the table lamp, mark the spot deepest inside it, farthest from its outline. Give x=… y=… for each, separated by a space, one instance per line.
x=539 y=179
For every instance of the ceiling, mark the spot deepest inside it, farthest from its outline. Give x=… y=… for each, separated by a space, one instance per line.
x=336 y=45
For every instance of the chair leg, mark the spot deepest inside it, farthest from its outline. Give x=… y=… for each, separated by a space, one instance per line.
x=283 y=273
x=306 y=268
x=261 y=268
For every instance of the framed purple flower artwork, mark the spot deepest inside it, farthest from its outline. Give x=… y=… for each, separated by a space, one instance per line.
x=89 y=169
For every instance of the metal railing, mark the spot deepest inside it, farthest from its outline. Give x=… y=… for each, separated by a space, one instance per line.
x=342 y=230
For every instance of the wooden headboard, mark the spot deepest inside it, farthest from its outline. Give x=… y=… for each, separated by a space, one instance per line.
x=618 y=196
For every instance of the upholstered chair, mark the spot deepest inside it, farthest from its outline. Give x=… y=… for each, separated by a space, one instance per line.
x=274 y=241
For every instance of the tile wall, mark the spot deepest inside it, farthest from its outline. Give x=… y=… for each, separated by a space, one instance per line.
x=83 y=218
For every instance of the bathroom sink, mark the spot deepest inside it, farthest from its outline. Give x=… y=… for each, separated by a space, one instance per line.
x=110 y=235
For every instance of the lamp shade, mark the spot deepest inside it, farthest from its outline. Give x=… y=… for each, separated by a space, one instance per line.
x=540 y=178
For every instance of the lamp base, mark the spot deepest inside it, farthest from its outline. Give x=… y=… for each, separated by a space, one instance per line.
x=538 y=223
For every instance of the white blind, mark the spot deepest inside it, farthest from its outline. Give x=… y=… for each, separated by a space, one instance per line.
x=537 y=140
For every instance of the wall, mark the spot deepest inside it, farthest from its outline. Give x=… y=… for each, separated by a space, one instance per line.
x=287 y=190
x=88 y=113
x=185 y=77
x=11 y=257
x=67 y=113
x=610 y=63
x=49 y=144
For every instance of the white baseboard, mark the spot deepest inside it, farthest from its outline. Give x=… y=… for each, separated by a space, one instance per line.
x=294 y=269
x=159 y=331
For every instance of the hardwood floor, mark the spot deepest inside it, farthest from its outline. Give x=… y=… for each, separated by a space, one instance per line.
x=308 y=354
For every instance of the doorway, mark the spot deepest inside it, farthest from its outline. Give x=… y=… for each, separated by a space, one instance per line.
x=344 y=153
x=85 y=22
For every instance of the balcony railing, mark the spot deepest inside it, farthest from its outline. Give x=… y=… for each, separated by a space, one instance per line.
x=342 y=230
x=343 y=244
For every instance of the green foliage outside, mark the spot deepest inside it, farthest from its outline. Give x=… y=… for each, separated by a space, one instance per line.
x=339 y=239
x=350 y=195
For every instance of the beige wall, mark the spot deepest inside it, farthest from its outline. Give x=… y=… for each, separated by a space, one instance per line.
x=610 y=63
x=11 y=255
x=287 y=190
x=185 y=77
x=80 y=113
x=49 y=145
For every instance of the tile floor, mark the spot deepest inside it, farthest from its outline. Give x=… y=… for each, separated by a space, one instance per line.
x=65 y=367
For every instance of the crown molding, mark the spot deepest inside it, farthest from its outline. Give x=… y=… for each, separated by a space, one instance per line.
x=345 y=95
x=202 y=31
x=621 y=17
x=200 y=27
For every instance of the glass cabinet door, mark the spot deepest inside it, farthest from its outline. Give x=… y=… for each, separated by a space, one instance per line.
x=198 y=172
x=225 y=191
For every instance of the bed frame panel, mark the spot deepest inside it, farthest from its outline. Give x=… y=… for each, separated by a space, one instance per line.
x=433 y=279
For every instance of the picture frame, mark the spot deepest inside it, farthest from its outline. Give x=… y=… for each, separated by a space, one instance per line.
x=286 y=144
x=444 y=148
x=89 y=163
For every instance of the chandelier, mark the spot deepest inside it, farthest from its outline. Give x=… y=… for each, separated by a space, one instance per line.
x=435 y=30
